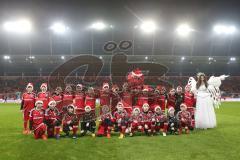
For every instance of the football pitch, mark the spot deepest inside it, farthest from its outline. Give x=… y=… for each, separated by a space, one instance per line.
x=220 y=143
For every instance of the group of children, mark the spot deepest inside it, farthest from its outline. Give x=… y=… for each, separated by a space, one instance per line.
x=126 y=111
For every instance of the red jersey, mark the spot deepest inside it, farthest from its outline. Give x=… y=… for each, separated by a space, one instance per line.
x=90 y=100
x=159 y=118
x=160 y=99
x=141 y=99
x=28 y=101
x=69 y=118
x=58 y=99
x=67 y=99
x=37 y=117
x=189 y=99
x=184 y=117
x=127 y=98
x=115 y=99
x=147 y=116
x=120 y=117
x=79 y=100
x=105 y=97
x=51 y=116
x=171 y=101
x=44 y=96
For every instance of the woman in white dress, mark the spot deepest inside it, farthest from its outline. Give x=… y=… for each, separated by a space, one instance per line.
x=208 y=96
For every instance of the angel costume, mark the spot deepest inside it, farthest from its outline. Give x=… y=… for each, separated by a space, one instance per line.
x=207 y=98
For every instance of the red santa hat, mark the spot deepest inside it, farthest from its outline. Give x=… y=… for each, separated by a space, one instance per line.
x=51 y=101
x=38 y=101
x=155 y=107
x=87 y=108
x=179 y=88
x=29 y=85
x=136 y=108
x=137 y=72
x=171 y=109
x=43 y=85
x=79 y=85
x=105 y=84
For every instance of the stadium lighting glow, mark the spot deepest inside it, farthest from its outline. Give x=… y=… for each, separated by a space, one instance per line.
x=146 y=58
x=59 y=28
x=100 y=57
x=148 y=27
x=224 y=29
x=182 y=58
x=184 y=30
x=98 y=26
x=62 y=57
x=210 y=58
x=111 y=26
x=232 y=59
x=21 y=26
x=6 y=57
x=31 y=57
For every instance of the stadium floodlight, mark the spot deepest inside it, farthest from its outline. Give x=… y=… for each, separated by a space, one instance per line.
x=31 y=57
x=224 y=29
x=98 y=26
x=146 y=58
x=184 y=30
x=6 y=57
x=62 y=57
x=100 y=57
x=148 y=26
x=210 y=58
x=232 y=59
x=21 y=26
x=182 y=58
x=59 y=28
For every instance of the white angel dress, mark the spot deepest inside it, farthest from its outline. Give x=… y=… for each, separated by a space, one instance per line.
x=206 y=99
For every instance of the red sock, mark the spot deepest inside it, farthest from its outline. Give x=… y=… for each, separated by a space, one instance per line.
x=57 y=130
x=75 y=128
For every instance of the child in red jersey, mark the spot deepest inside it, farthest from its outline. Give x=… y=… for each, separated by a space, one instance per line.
x=184 y=118
x=27 y=104
x=67 y=98
x=57 y=97
x=159 y=121
x=147 y=119
x=44 y=95
x=160 y=98
x=52 y=120
x=36 y=120
x=171 y=101
x=70 y=122
x=120 y=118
x=190 y=101
x=79 y=100
x=88 y=123
x=136 y=121
x=105 y=122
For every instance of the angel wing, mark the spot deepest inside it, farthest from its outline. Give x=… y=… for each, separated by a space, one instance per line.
x=213 y=88
x=192 y=83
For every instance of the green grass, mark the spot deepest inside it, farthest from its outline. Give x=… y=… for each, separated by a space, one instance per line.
x=220 y=143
